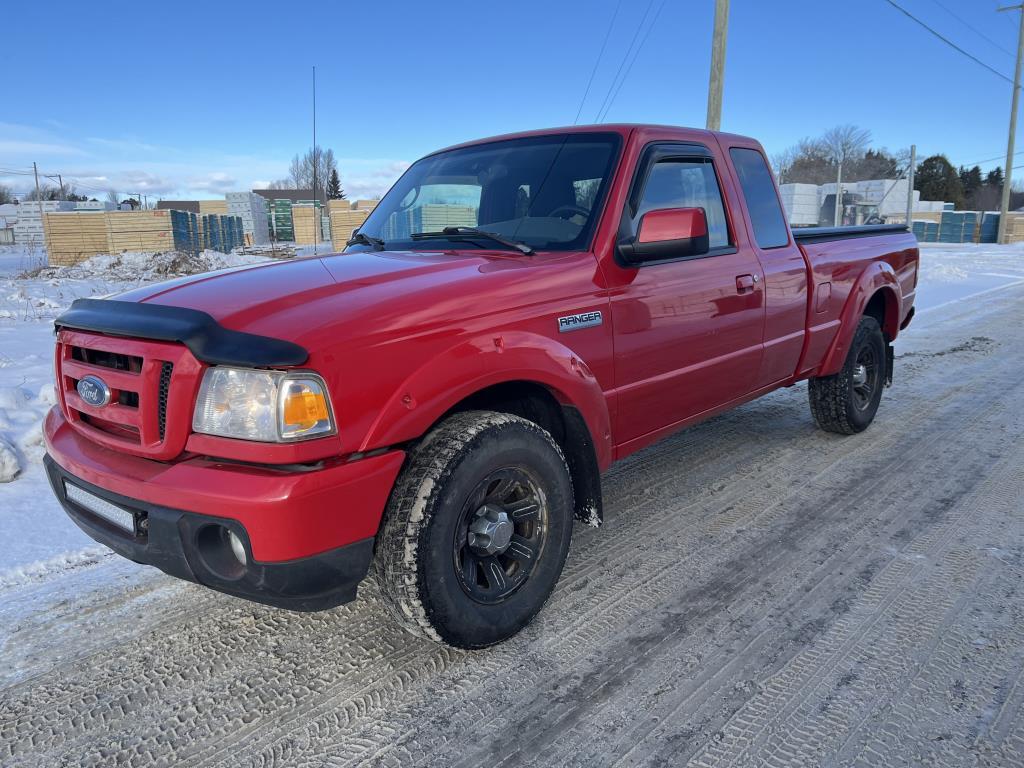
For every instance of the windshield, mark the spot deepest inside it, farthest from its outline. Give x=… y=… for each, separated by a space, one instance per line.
x=544 y=191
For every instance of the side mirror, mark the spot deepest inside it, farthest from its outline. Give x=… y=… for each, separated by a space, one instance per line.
x=668 y=233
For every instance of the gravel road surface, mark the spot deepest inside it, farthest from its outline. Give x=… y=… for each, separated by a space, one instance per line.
x=762 y=594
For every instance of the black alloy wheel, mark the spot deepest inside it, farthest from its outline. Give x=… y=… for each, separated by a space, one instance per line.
x=500 y=535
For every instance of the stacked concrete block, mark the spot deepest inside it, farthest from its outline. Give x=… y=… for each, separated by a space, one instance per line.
x=28 y=229
x=252 y=210
x=801 y=203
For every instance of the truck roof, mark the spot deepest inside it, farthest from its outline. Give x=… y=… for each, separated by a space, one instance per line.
x=624 y=129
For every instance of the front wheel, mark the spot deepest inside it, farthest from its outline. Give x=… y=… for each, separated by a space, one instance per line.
x=846 y=403
x=477 y=530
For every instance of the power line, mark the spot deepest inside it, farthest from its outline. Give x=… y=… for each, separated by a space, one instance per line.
x=629 y=49
x=989 y=160
x=949 y=42
x=600 y=54
x=636 y=55
x=973 y=29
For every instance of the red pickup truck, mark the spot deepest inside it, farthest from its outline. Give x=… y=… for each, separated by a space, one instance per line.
x=438 y=401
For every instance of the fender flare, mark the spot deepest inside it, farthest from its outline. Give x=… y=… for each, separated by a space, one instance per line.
x=878 y=276
x=472 y=365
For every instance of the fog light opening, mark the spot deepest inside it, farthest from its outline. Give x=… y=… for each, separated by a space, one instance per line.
x=222 y=552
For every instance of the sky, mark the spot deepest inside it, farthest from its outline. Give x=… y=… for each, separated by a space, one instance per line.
x=193 y=99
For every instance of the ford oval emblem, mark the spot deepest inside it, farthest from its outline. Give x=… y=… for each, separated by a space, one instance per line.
x=94 y=391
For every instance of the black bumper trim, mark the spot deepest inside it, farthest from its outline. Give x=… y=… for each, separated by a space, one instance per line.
x=169 y=539
x=207 y=339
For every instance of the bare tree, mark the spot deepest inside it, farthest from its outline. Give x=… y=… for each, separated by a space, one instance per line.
x=6 y=195
x=46 y=192
x=281 y=184
x=846 y=142
x=300 y=171
x=782 y=162
x=113 y=197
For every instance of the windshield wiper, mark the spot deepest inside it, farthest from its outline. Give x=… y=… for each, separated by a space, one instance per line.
x=358 y=238
x=471 y=232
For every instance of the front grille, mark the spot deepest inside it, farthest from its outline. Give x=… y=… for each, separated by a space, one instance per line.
x=147 y=415
x=165 y=390
x=104 y=359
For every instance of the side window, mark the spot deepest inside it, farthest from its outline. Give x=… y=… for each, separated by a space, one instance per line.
x=762 y=201
x=687 y=184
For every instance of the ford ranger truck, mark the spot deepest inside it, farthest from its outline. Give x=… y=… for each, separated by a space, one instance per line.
x=437 y=403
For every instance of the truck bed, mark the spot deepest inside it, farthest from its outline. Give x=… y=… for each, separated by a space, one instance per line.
x=848 y=263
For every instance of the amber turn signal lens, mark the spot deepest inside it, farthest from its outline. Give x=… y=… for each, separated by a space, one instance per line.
x=305 y=409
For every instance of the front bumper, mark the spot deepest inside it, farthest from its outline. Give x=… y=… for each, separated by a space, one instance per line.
x=307 y=533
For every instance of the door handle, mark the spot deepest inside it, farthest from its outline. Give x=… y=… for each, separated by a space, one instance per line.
x=745 y=283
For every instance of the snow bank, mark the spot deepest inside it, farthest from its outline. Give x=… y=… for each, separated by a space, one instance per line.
x=35 y=528
x=147 y=267
x=10 y=467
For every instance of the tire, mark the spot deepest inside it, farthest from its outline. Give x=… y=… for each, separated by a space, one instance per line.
x=846 y=403
x=443 y=531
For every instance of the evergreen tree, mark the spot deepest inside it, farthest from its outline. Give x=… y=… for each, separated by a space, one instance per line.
x=334 y=190
x=938 y=180
x=970 y=179
x=995 y=177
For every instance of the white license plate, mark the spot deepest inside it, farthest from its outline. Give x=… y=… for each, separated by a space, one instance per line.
x=112 y=513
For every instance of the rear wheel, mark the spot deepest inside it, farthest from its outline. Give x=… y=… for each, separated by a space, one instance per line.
x=846 y=403
x=477 y=530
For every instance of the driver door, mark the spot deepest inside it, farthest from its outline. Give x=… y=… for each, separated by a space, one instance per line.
x=688 y=330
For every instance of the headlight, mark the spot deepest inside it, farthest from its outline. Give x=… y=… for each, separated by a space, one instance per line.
x=269 y=406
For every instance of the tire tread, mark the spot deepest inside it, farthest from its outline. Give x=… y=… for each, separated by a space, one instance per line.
x=396 y=565
x=829 y=396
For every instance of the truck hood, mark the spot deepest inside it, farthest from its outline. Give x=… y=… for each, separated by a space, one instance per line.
x=297 y=300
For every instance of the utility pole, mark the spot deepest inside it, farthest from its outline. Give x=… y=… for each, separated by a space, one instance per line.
x=1004 y=207
x=39 y=199
x=839 y=195
x=316 y=159
x=716 y=81
x=910 y=186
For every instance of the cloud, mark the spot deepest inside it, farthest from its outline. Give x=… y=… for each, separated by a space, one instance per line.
x=96 y=164
x=129 y=146
x=213 y=182
x=363 y=178
x=26 y=148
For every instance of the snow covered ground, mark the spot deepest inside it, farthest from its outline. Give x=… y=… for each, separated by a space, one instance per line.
x=793 y=597
x=955 y=272
x=38 y=536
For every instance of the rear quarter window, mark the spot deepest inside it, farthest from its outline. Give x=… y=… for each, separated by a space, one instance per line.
x=762 y=201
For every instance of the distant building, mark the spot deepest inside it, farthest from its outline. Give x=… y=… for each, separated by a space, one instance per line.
x=292 y=195
x=192 y=206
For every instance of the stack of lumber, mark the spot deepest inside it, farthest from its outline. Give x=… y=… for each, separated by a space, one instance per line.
x=989 y=230
x=343 y=223
x=281 y=223
x=958 y=226
x=305 y=220
x=926 y=231
x=365 y=205
x=139 y=231
x=338 y=205
x=73 y=237
x=434 y=218
x=218 y=207
x=1014 y=227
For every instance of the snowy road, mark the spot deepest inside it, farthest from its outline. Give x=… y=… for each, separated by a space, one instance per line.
x=761 y=593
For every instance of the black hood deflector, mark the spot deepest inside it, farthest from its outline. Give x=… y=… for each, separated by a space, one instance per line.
x=205 y=338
